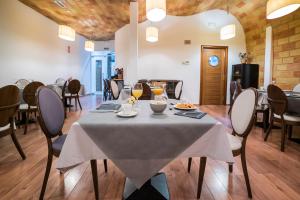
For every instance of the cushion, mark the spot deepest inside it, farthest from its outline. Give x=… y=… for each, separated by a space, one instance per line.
x=288 y=117
x=58 y=143
x=234 y=141
x=4 y=128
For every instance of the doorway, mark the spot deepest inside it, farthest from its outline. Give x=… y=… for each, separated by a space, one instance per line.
x=213 y=81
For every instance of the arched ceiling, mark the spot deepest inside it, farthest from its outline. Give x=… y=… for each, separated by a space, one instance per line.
x=100 y=19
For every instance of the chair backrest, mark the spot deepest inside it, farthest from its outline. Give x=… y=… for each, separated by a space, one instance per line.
x=29 y=92
x=146 y=92
x=51 y=112
x=21 y=83
x=60 y=81
x=232 y=90
x=297 y=88
x=114 y=89
x=9 y=103
x=277 y=100
x=74 y=86
x=242 y=114
x=178 y=90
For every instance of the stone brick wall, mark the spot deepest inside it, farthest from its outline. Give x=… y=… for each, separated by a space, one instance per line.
x=286 y=49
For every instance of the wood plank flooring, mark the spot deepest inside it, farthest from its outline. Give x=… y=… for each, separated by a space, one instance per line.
x=273 y=174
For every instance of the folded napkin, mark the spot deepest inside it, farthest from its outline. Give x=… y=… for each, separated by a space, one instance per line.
x=191 y=114
x=109 y=107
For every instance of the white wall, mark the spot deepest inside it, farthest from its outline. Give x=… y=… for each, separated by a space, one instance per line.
x=31 y=49
x=163 y=60
x=101 y=45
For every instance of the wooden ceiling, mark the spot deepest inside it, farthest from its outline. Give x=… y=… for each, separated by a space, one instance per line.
x=100 y=19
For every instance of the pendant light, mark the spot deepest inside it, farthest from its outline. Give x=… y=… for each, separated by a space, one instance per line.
x=155 y=10
x=279 y=8
x=66 y=33
x=89 y=45
x=152 y=34
x=228 y=31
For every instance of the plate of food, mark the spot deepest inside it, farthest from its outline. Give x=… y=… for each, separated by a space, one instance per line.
x=185 y=106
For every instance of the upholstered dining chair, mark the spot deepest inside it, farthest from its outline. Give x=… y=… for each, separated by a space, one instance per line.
x=178 y=90
x=73 y=93
x=235 y=90
x=114 y=89
x=242 y=117
x=297 y=88
x=146 y=92
x=51 y=119
x=9 y=104
x=21 y=83
x=278 y=103
x=29 y=98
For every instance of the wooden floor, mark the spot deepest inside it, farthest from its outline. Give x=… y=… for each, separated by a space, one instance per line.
x=273 y=174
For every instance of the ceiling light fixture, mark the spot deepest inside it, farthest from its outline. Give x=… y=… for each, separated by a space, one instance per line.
x=89 y=45
x=155 y=10
x=279 y=8
x=152 y=34
x=228 y=31
x=66 y=33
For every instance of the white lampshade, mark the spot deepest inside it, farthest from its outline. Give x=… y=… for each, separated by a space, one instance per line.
x=152 y=34
x=66 y=33
x=279 y=8
x=227 y=32
x=155 y=10
x=89 y=45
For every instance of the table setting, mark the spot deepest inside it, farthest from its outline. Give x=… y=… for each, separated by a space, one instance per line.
x=141 y=137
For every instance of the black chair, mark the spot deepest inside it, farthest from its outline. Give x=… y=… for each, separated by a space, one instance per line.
x=51 y=119
x=9 y=103
x=72 y=93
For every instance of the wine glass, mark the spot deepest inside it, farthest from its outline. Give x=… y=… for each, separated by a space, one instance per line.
x=157 y=91
x=137 y=90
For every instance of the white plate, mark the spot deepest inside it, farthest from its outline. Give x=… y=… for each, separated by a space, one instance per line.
x=185 y=108
x=122 y=114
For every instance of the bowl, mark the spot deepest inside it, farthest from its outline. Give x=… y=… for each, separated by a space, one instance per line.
x=158 y=106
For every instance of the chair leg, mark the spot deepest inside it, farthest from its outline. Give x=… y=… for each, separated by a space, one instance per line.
x=79 y=103
x=105 y=165
x=269 y=129
x=95 y=178
x=17 y=144
x=290 y=131
x=283 y=133
x=245 y=171
x=230 y=167
x=75 y=103
x=189 y=164
x=47 y=172
x=26 y=122
x=201 y=176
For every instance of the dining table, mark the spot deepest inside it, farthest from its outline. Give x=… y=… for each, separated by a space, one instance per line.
x=141 y=146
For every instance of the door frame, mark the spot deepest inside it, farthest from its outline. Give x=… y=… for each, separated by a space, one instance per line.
x=225 y=70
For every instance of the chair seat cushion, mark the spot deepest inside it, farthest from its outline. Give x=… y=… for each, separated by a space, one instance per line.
x=288 y=117
x=4 y=128
x=57 y=144
x=25 y=107
x=234 y=141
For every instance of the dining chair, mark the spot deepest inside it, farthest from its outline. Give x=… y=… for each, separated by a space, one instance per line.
x=114 y=89
x=73 y=93
x=178 y=90
x=21 y=83
x=29 y=98
x=51 y=118
x=106 y=92
x=297 y=88
x=242 y=117
x=235 y=90
x=9 y=104
x=278 y=103
x=146 y=92
x=263 y=108
x=60 y=81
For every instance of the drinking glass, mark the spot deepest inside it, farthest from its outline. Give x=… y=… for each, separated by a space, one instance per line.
x=137 y=90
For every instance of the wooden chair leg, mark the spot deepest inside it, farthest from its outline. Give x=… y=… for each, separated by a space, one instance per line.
x=75 y=103
x=105 y=165
x=79 y=103
x=269 y=129
x=230 y=167
x=17 y=144
x=201 y=176
x=283 y=133
x=189 y=164
x=70 y=101
x=290 y=131
x=95 y=178
x=245 y=171
x=47 y=172
x=26 y=122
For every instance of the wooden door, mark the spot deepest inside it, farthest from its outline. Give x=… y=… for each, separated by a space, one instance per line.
x=213 y=75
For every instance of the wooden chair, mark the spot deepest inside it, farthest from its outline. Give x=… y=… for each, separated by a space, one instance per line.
x=278 y=103
x=29 y=98
x=242 y=118
x=235 y=90
x=146 y=92
x=51 y=119
x=21 y=83
x=9 y=104
x=264 y=110
x=178 y=90
x=73 y=93
x=114 y=89
x=107 y=91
